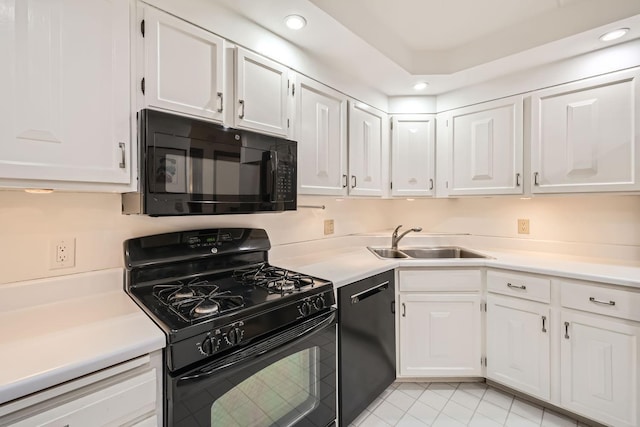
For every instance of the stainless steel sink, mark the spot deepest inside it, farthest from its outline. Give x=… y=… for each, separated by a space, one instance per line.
x=387 y=253
x=438 y=252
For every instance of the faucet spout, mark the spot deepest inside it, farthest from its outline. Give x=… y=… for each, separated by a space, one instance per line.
x=395 y=239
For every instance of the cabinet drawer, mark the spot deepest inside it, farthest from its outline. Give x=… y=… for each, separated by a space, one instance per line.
x=595 y=299
x=519 y=285
x=116 y=402
x=439 y=280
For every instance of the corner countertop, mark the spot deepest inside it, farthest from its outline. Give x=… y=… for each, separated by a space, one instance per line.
x=348 y=260
x=58 y=329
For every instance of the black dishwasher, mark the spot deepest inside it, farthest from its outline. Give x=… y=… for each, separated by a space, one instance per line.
x=366 y=343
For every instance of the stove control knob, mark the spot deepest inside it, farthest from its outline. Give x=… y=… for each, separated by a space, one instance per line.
x=210 y=345
x=234 y=336
x=305 y=308
x=319 y=303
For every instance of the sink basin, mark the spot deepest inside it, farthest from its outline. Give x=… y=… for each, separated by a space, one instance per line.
x=438 y=252
x=387 y=253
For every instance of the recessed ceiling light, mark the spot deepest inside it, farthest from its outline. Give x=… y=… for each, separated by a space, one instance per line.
x=613 y=35
x=295 y=22
x=420 y=85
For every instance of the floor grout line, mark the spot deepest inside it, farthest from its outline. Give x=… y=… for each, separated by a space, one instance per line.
x=441 y=415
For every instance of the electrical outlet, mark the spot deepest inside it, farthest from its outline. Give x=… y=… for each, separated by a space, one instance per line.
x=328 y=226
x=63 y=252
x=523 y=226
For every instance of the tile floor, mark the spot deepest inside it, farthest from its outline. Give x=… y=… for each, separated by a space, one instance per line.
x=454 y=405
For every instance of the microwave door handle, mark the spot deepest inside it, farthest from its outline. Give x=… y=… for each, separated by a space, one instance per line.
x=274 y=176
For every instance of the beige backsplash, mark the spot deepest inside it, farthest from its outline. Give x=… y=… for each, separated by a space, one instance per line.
x=31 y=221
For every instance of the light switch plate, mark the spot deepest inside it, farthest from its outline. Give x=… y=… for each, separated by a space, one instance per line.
x=328 y=227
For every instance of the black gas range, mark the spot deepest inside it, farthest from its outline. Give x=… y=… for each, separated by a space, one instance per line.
x=227 y=312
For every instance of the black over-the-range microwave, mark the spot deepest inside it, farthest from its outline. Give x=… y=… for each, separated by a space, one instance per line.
x=194 y=167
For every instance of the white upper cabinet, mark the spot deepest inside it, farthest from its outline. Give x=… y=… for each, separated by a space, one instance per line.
x=183 y=66
x=365 y=149
x=485 y=148
x=65 y=84
x=413 y=155
x=585 y=136
x=321 y=132
x=261 y=97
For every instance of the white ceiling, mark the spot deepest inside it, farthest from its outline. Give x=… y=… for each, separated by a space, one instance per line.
x=390 y=45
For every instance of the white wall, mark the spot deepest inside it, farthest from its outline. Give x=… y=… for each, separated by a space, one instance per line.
x=601 y=219
x=31 y=221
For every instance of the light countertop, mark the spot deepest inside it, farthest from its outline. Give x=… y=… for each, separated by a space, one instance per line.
x=55 y=330
x=348 y=260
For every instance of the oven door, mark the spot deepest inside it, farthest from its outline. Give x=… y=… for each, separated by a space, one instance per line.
x=288 y=379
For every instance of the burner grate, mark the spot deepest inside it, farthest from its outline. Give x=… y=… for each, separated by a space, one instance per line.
x=197 y=299
x=274 y=279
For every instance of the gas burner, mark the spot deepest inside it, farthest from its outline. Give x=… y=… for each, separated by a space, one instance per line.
x=196 y=299
x=205 y=308
x=274 y=279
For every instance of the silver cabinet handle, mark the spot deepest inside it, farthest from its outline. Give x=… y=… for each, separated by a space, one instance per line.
x=544 y=321
x=123 y=155
x=354 y=181
x=431 y=184
x=535 y=178
x=566 y=330
x=241 y=114
x=593 y=300
x=404 y=310
x=517 y=180
x=221 y=98
x=523 y=287
x=345 y=181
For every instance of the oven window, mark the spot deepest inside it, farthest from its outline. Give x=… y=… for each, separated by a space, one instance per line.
x=282 y=393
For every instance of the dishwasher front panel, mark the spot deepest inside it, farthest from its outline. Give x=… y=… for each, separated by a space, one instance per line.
x=366 y=343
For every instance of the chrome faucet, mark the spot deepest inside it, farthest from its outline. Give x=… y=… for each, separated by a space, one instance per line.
x=395 y=239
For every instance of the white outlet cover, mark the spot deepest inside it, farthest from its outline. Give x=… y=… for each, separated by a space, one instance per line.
x=62 y=252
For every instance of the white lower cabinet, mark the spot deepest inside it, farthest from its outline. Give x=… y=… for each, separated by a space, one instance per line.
x=518 y=344
x=600 y=352
x=599 y=368
x=440 y=333
x=125 y=394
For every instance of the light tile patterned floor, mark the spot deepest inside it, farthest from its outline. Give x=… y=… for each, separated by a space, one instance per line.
x=455 y=405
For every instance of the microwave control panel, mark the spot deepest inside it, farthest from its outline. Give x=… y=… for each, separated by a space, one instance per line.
x=286 y=182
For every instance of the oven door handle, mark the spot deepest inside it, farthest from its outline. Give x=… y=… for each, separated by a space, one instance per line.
x=274 y=344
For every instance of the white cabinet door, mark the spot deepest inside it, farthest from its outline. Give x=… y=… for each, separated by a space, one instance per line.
x=440 y=335
x=585 y=136
x=518 y=344
x=321 y=132
x=114 y=403
x=413 y=155
x=261 y=94
x=65 y=84
x=365 y=150
x=485 y=148
x=183 y=66
x=600 y=366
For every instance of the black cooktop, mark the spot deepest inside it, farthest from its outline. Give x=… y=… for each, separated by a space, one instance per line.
x=200 y=280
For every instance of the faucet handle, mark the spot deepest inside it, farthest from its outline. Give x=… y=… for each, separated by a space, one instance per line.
x=397 y=228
